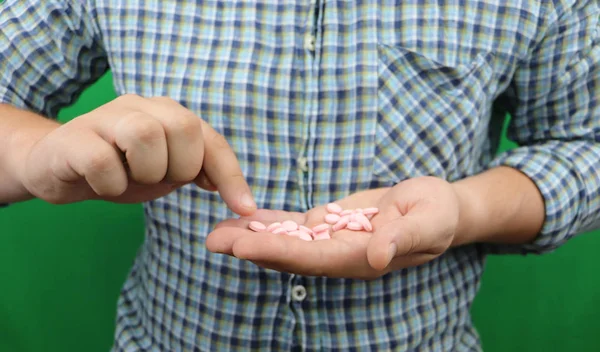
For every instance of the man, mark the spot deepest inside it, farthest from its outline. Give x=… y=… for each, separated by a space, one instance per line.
x=286 y=106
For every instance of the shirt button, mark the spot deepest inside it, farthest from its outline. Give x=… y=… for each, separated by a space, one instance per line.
x=303 y=164
x=298 y=293
x=309 y=42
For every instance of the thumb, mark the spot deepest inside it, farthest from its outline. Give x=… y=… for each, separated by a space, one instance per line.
x=400 y=237
x=223 y=170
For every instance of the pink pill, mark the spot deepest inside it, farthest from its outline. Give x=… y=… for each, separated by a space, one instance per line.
x=334 y=208
x=257 y=226
x=362 y=219
x=321 y=233
x=310 y=234
x=305 y=229
x=355 y=226
x=332 y=218
x=280 y=231
x=289 y=225
x=305 y=236
x=296 y=233
x=346 y=212
x=341 y=224
x=370 y=211
x=320 y=228
x=327 y=230
x=273 y=226
x=322 y=236
x=358 y=210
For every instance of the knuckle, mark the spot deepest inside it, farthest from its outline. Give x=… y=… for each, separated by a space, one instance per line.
x=186 y=173
x=148 y=177
x=101 y=161
x=237 y=176
x=186 y=125
x=131 y=97
x=54 y=198
x=412 y=240
x=165 y=100
x=114 y=191
x=50 y=193
x=416 y=239
x=413 y=244
x=219 y=141
x=143 y=129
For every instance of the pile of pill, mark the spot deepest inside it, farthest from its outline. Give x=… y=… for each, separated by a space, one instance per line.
x=336 y=219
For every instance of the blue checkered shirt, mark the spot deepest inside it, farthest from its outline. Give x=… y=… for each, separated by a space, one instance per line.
x=320 y=99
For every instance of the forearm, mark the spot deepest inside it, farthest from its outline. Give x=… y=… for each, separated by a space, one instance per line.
x=501 y=205
x=19 y=131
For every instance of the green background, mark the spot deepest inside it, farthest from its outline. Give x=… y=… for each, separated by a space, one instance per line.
x=61 y=269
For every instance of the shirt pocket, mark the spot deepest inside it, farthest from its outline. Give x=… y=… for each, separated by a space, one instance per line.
x=431 y=115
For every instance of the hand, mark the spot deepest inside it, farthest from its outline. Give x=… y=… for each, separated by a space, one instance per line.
x=416 y=223
x=133 y=149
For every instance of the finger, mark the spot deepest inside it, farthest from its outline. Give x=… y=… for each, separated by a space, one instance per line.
x=223 y=242
x=137 y=193
x=330 y=258
x=314 y=258
x=204 y=182
x=143 y=141
x=222 y=168
x=396 y=264
x=214 y=156
x=100 y=164
x=287 y=253
x=424 y=229
x=400 y=237
x=185 y=140
x=410 y=260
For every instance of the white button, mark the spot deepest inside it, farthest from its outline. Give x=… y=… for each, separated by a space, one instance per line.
x=309 y=41
x=298 y=293
x=303 y=163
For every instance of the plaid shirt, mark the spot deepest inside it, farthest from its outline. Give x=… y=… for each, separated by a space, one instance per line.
x=319 y=100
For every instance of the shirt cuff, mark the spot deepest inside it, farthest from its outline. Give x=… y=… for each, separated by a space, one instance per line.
x=9 y=97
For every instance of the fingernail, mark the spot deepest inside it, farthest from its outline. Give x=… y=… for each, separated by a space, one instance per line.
x=248 y=201
x=391 y=252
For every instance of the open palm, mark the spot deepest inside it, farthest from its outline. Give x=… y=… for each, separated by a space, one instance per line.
x=416 y=223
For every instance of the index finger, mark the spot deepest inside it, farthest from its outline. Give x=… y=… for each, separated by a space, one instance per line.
x=224 y=171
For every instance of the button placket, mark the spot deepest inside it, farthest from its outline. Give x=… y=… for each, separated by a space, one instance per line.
x=302 y=164
x=309 y=41
x=299 y=293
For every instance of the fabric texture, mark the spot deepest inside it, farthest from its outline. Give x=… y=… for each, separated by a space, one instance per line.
x=392 y=90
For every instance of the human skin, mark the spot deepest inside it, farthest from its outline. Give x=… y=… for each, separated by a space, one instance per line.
x=418 y=220
x=136 y=149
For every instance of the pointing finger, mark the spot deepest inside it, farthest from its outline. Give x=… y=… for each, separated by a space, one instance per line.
x=222 y=168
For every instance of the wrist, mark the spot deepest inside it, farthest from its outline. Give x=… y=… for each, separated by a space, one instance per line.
x=19 y=146
x=501 y=206
x=472 y=212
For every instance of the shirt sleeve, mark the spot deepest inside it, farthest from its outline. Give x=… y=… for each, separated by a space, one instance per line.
x=555 y=120
x=50 y=51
